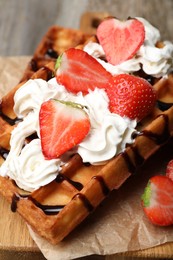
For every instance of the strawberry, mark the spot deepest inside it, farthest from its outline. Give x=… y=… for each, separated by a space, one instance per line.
x=130 y=96
x=63 y=125
x=120 y=40
x=169 y=170
x=78 y=71
x=157 y=200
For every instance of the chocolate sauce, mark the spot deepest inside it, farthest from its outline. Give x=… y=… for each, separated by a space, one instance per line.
x=32 y=137
x=33 y=65
x=95 y=22
x=142 y=74
x=49 y=73
x=130 y=165
x=104 y=187
x=52 y=53
x=87 y=164
x=9 y=120
x=62 y=177
x=150 y=79
x=85 y=201
x=157 y=138
x=163 y=106
x=15 y=199
x=50 y=210
x=47 y=209
x=3 y=152
x=139 y=159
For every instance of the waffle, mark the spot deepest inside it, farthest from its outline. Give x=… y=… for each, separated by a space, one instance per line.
x=55 y=209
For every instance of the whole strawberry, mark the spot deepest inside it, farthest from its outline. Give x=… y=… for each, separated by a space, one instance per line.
x=157 y=200
x=130 y=96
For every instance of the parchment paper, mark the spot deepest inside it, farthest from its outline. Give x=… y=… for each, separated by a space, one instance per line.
x=118 y=224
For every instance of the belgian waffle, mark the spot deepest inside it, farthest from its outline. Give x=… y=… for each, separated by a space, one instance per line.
x=54 y=210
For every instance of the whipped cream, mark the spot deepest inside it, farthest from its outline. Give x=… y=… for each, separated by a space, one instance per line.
x=154 y=61
x=29 y=169
x=26 y=164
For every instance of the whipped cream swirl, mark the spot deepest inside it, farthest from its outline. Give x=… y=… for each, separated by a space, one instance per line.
x=26 y=164
x=154 y=61
x=29 y=169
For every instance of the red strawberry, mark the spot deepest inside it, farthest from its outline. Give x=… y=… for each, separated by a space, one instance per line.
x=169 y=170
x=63 y=125
x=120 y=40
x=130 y=96
x=78 y=71
x=157 y=200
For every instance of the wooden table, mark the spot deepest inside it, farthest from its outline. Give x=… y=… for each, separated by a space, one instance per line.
x=21 y=28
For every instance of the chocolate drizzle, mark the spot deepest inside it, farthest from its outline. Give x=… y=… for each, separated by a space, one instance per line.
x=159 y=139
x=47 y=209
x=15 y=199
x=163 y=106
x=62 y=177
x=130 y=165
x=52 y=53
x=49 y=73
x=139 y=159
x=33 y=65
x=9 y=120
x=3 y=152
x=85 y=201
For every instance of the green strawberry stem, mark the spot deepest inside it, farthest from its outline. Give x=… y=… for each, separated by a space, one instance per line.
x=147 y=195
x=58 y=62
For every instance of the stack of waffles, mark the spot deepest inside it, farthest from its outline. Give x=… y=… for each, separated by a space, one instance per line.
x=79 y=187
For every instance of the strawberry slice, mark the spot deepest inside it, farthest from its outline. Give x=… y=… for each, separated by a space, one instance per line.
x=120 y=40
x=157 y=200
x=130 y=96
x=63 y=125
x=78 y=71
x=169 y=170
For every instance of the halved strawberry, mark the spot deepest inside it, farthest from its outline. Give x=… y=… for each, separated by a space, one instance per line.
x=157 y=200
x=63 y=125
x=169 y=169
x=130 y=96
x=120 y=40
x=78 y=71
